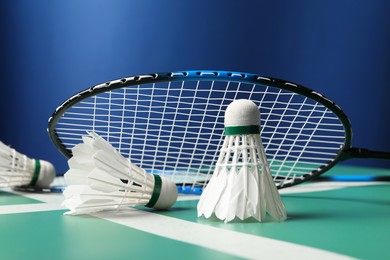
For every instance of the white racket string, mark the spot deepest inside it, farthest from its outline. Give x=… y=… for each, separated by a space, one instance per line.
x=176 y=128
x=93 y=114
x=186 y=178
x=306 y=146
x=214 y=155
x=131 y=130
x=203 y=115
x=299 y=152
x=149 y=119
x=172 y=128
x=122 y=125
x=160 y=127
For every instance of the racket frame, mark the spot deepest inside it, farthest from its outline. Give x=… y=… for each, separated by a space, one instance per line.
x=345 y=152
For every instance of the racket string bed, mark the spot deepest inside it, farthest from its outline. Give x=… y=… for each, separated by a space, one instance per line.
x=174 y=127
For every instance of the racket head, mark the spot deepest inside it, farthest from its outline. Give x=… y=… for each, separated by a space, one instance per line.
x=172 y=123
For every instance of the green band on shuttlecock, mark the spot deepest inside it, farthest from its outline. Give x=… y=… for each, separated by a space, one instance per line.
x=242 y=130
x=35 y=176
x=156 y=191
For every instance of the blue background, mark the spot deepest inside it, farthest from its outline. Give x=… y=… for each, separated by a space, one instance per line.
x=52 y=49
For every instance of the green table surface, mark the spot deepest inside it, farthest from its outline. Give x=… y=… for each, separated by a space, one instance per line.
x=326 y=220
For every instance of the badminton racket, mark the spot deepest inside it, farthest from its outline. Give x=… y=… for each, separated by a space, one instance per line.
x=173 y=124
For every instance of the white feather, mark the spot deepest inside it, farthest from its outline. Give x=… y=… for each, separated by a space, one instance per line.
x=211 y=195
x=82 y=199
x=100 y=178
x=242 y=185
x=16 y=169
x=215 y=188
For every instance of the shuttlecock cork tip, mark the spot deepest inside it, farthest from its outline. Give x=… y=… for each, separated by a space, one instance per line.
x=47 y=173
x=165 y=193
x=242 y=116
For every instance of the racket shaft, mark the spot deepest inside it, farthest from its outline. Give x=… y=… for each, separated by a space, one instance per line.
x=364 y=153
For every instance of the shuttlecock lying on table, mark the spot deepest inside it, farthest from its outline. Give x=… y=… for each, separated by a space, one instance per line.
x=100 y=178
x=16 y=170
x=242 y=185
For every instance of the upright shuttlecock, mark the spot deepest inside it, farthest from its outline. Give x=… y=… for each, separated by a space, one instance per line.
x=242 y=185
x=16 y=169
x=100 y=178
